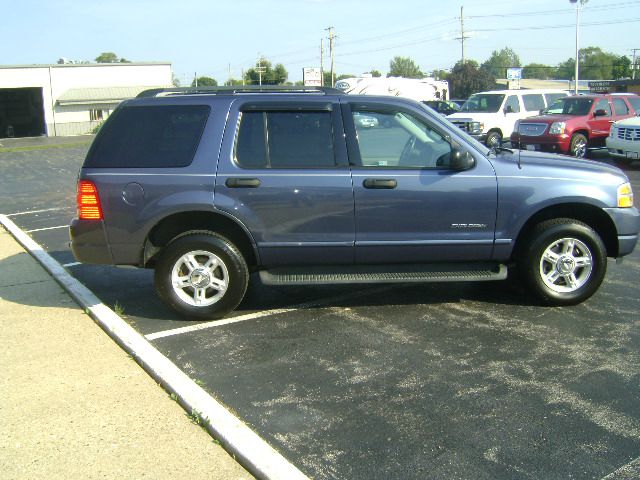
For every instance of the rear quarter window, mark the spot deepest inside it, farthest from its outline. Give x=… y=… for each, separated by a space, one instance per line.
x=164 y=136
x=635 y=103
x=533 y=102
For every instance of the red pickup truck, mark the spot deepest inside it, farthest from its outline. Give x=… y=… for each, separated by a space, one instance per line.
x=575 y=124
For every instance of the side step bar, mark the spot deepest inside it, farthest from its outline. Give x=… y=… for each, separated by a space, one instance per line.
x=384 y=274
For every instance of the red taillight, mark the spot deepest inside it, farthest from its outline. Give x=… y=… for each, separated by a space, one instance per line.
x=88 y=201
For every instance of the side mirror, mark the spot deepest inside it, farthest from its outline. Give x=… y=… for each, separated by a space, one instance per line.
x=600 y=113
x=461 y=160
x=508 y=109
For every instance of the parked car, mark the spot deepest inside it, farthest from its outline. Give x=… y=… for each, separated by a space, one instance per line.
x=623 y=141
x=444 y=107
x=574 y=124
x=365 y=121
x=491 y=116
x=207 y=186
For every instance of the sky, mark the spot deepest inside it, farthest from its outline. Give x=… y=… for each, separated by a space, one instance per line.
x=221 y=39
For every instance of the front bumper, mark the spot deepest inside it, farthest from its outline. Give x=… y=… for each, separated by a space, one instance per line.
x=543 y=143
x=627 y=222
x=623 y=148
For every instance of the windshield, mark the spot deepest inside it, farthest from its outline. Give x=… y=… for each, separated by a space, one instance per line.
x=483 y=102
x=570 y=106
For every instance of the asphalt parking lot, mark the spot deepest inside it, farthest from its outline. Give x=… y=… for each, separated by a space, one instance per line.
x=443 y=381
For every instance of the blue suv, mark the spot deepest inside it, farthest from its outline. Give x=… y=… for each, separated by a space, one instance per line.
x=207 y=186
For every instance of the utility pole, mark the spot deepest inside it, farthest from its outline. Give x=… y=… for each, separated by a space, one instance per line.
x=322 y=62
x=260 y=69
x=634 y=65
x=462 y=36
x=195 y=79
x=331 y=52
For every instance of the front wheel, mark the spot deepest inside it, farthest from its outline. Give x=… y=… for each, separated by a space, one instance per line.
x=494 y=139
x=201 y=275
x=578 y=146
x=563 y=261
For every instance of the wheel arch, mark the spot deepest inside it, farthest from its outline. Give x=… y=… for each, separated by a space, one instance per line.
x=179 y=224
x=591 y=215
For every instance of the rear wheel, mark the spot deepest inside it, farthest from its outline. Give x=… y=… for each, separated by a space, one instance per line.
x=578 y=146
x=563 y=261
x=201 y=275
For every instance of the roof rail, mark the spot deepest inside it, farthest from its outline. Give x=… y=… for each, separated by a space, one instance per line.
x=232 y=90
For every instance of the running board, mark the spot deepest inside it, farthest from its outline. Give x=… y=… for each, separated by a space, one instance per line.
x=384 y=274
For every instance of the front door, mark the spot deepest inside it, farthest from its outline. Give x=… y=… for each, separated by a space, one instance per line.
x=410 y=206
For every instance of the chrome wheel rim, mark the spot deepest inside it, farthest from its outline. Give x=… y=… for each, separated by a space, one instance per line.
x=494 y=141
x=199 y=278
x=580 y=148
x=566 y=265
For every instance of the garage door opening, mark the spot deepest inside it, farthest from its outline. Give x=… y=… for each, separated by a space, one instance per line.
x=21 y=112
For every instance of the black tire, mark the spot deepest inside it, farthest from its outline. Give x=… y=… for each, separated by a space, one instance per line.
x=553 y=261
x=579 y=144
x=494 y=139
x=214 y=278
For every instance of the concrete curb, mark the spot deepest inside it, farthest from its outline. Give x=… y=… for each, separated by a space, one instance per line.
x=251 y=451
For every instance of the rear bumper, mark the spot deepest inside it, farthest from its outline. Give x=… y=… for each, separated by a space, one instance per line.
x=627 y=221
x=89 y=242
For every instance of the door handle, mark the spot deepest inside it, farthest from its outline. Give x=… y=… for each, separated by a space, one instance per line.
x=385 y=183
x=242 y=183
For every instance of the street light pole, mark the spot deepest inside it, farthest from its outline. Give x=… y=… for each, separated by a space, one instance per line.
x=578 y=3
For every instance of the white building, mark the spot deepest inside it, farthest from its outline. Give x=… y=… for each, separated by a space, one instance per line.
x=70 y=99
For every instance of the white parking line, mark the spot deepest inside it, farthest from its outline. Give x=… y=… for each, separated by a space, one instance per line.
x=265 y=313
x=37 y=211
x=48 y=228
x=256 y=455
x=72 y=264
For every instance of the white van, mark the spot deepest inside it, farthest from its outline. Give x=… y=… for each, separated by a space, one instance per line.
x=491 y=116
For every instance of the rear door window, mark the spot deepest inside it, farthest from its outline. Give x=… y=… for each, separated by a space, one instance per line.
x=282 y=139
x=620 y=107
x=162 y=136
x=533 y=102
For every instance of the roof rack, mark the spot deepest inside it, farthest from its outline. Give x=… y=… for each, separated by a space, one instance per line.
x=232 y=90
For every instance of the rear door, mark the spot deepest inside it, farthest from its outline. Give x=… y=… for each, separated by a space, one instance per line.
x=410 y=207
x=283 y=173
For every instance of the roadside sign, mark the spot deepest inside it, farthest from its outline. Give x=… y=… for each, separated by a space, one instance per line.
x=603 y=86
x=311 y=77
x=514 y=73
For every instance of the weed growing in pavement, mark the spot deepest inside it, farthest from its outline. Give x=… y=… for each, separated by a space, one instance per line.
x=118 y=308
x=196 y=418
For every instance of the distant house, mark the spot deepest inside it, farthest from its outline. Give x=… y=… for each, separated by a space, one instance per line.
x=70 y=99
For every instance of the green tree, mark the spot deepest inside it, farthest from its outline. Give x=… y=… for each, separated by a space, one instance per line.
x=466 y=78
x=271 y=75
x=404 y=67
x=621 y=68
x=375 y=73
x=204 y=82
x=440 y=74
x=232 y=82
x=499 y=61
x=539 y=71
x=596 y=64
x=107 y=57
x=326 y=77
x=175 y=80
